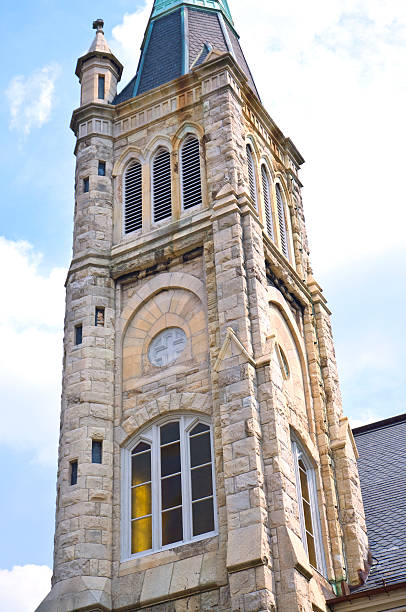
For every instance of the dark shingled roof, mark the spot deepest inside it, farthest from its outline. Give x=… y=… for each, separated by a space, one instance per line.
x=382 y=469
x=187 y=32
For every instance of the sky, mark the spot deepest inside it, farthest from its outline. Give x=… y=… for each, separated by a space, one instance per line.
x=331 y=75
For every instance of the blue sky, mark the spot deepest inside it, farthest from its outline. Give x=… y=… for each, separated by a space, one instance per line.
x=332 y=76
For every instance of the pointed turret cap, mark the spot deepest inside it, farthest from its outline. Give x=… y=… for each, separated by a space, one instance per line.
x=99 y=43
x=99 y=47
x=181 y=35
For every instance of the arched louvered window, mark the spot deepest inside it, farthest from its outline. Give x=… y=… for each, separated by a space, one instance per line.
x=133 y=198
x=162 y=185
x=191 y=176
x=266 y=188
x=251 y=174
x=283 y=228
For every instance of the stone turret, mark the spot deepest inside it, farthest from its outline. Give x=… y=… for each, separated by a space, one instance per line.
x=204 y=460
x=99 y=70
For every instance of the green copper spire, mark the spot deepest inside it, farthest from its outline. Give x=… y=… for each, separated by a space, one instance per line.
x=162 y=6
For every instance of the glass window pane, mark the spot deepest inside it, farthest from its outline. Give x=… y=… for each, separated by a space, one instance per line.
x=101 y=87
x=141 y=535
x=200 y=451
x=202 y=485
x=140 y=448
x=97 y=451
x=170 y=433
x=203 y=517
x=308 y=517
x=200 y=428
x=170 y=459
x=141 y=501
x=172 y=527
x=141 y=468
x=74 y=473
x=312 y=550
x=305 y=485
x=171 y=492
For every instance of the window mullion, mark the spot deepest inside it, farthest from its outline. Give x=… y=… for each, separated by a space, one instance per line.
x=186 y=488
x=156 y=490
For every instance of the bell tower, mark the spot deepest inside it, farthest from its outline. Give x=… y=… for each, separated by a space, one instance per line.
x=205 y=462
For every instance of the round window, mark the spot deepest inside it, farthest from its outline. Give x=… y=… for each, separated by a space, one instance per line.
x=167 y=346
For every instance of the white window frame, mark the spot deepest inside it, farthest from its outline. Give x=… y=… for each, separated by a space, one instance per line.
x=299 y=453
x=184 y=142
x=151 y=436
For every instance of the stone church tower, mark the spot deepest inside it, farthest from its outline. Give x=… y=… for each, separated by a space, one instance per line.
x=204 y=460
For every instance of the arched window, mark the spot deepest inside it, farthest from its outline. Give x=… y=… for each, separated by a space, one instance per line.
x=308 y=507
x=251 y=175
x=169 y=493
x=133 y=198
x=266 y=188
x=190 y=173
x=283 y=227
x=162 y=185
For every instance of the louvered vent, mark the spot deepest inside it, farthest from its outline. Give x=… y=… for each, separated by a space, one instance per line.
x=161 y=181
x=191 y=178
x=133 y=198
x=282 y=222
x=251 y=175
x=266 y=188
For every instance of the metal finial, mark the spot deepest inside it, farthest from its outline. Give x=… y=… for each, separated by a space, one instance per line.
x=98 y=25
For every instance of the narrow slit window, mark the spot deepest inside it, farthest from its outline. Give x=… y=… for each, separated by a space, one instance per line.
x=172 y=486
x=191 y=174
x=73 y=477
x=101 y=87
x=101 y=168
x=252 y=175
x=97 y=451
x=266 y=188
x=133 y=198
x=78 y=334
x=86 y=185
x=161 y=185
x=283 y=228
x=99 y=316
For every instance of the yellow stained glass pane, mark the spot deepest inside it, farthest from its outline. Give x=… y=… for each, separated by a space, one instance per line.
x=308 y=517
x=141 y=535
x=141 y=501
x=312 y=550
x=305 y=485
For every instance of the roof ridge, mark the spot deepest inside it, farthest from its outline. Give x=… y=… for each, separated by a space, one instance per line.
x=379 y=425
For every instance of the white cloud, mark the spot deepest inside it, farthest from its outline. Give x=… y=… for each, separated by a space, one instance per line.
x=31 y=98
x=331 y=74
x=127 y=39
x=23 y=588
x=31 y=319
x=365 y=418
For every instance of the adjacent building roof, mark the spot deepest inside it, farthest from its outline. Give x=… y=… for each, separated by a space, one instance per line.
x=179 y=36
x=382 y=469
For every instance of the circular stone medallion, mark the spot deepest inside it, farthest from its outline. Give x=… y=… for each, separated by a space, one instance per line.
x=167 y=346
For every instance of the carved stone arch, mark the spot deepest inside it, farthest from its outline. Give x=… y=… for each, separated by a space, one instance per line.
x=185 y=129
x=252 y=141
x=130 y=153
x=155 y=144
x=266 y=159
x=276 y=299
x=279 y=178
x=137 y=418
x=165 y=280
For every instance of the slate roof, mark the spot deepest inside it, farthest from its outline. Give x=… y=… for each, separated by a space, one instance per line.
x=382 y=468
x=178 y=40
